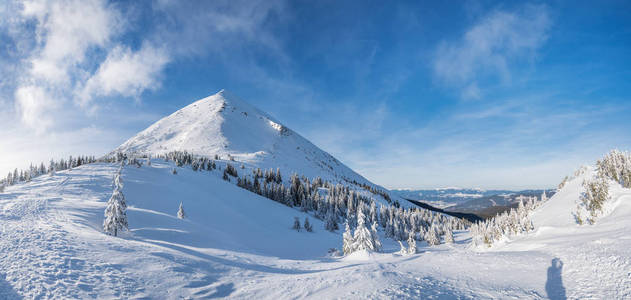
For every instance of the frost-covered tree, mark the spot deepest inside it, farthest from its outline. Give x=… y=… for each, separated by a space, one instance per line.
x=544 y=197
x=431 y=236
x=296 y=225
x=411 y=244
x=375 y=237
x=115 y=211
x=449 y=236
x=331 y=223
x=594 y=197
x=373 y=212
x=307 y=225
x=347 y=241
x=403 y=250
x=180 y=212
x=362 y=236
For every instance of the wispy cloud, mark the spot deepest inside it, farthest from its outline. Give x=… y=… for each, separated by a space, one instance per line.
x=490 y=47
x=126 y=73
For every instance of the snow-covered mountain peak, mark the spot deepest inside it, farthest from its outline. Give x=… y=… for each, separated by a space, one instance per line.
x=225 y=125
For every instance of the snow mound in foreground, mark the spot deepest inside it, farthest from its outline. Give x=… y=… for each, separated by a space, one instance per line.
x=361 y=255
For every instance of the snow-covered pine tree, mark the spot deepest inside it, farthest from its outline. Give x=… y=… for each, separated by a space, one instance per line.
x=115 y=211
x=373 y=212
x=307 y=225
x=347 y=241
x=431 y=236
x=362 y=236
x=180 y=212
x=449 y=235
x=411 y=244
x=390 y=229
x=331 y=222
x=350 y=217
x=544 y=197
x=375 y=237
x=296 y=225
x=403 y=249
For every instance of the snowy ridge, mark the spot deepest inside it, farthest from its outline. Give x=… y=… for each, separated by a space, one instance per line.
x=224 y=125
x=595 y=257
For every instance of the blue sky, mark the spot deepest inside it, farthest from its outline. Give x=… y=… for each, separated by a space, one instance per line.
x=409 y=94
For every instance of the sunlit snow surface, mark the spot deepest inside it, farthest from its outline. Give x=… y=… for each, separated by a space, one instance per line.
x=236 y=244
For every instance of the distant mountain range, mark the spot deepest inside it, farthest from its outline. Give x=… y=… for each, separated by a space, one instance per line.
x=484 y=203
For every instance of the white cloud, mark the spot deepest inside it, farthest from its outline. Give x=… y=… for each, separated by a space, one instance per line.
x=63 y=35
x=66 y=30
x=126 y=73
x=33 y=103
x=490 y=46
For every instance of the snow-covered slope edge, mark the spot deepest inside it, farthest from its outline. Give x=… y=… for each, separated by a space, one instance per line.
x=599 y=250
x=226 y=126
x=233 y=244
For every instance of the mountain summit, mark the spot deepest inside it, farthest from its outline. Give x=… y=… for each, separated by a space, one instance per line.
x=224 y=125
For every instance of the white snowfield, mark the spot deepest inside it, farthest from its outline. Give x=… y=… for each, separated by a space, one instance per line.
x=236 y=244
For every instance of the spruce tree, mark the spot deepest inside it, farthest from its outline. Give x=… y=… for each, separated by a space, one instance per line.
x=115 y=211
x=362 y=236
x=411 y=244
x=449 y=236
x=296 y=225
x=307 y=225
x=331 y=222
x=431 y=236
x=180 y=212
x=347 y=241
x=375 y=237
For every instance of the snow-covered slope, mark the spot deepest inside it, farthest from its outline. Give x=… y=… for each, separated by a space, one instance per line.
x=236 y=244
x=224 y=125
x=595 y=261
x=233 y=244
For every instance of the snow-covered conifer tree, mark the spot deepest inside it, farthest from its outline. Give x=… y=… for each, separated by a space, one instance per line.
x=296 y=225
x=449 y=236
x=362 y=236
x=411 y=244
x=403 y=249
x=115 y=211
x=180 y=212
x=544 y=197
x=431 y=236
x=331 y=222
x=347 y=241
x=307 y=225
x=375 y=236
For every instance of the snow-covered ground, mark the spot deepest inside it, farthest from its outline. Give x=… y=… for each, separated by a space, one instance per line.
x=236 y=244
